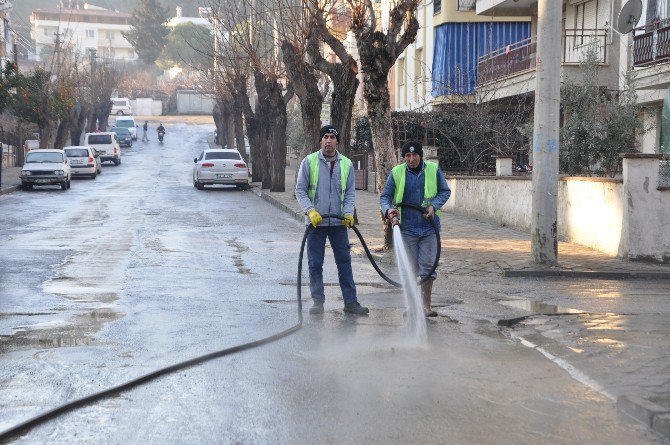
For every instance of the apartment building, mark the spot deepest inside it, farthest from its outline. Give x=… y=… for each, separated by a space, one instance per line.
x=85 y=29
x=6 y=40
x=587 y=24
x=442 y=62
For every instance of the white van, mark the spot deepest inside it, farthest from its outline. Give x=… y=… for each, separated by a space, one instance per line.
x=107 y=144
x=121 y=106
x=129 y=123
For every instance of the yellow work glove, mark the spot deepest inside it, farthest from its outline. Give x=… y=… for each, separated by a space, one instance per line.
x=314 y=217
x=348 y=220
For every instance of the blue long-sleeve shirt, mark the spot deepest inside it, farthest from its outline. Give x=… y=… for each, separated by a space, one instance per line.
x=328 y=197
x=413 y=223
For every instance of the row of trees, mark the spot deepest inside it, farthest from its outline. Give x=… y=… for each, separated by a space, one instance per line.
x=63 y=101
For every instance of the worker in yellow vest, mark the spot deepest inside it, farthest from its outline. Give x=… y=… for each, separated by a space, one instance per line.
x=422 y=184
x=325 y=186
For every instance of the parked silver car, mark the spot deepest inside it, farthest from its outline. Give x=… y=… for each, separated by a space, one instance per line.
x=84 y=161
x=220 y=166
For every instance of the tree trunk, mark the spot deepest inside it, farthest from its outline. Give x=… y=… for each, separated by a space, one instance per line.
x=345 y=84
x=216 y=115
x=277 y=138
x=227 y=123
x=47 y=134
x=238 y=125
x=62 y=133
x=306 y=87
x=377 y=95
x=77 y=126
x=265 y=113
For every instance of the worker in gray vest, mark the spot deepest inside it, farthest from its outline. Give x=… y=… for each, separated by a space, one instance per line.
x=326 y=186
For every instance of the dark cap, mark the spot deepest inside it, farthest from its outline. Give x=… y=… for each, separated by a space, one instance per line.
x=329 y=129
x=412 y=147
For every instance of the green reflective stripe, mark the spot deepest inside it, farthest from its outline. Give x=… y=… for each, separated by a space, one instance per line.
x=345 y=167
x=429 y=185
x=313 y=175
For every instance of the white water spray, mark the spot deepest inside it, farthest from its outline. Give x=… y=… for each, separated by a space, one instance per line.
x=415 y=319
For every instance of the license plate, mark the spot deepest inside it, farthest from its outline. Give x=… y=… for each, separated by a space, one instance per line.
x=224 y=176
x=42 y=181
x=77 y=161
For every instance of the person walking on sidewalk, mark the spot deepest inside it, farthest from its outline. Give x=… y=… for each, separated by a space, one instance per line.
x=422 y=184
x=145 y=134
x=325 y=185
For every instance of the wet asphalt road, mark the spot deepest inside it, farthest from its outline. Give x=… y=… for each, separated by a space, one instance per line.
x=137 y=270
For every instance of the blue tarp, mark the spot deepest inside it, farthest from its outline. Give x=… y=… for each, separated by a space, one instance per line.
x=458 y=47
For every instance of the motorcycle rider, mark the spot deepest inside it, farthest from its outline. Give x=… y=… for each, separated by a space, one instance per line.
x=161 y=131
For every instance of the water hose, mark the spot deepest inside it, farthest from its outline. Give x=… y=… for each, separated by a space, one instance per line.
x=43 y=417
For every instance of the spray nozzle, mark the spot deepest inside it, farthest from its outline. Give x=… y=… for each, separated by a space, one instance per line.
x=395 y=221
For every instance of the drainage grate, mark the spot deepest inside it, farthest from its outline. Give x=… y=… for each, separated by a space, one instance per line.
x=664 y=172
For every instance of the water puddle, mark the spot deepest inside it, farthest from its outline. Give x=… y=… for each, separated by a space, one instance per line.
x=79 y=330
x=536 y=307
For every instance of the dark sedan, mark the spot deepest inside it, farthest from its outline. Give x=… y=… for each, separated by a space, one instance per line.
x=124 y=135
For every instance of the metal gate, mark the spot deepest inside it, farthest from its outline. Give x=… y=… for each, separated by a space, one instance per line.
x=360 y=170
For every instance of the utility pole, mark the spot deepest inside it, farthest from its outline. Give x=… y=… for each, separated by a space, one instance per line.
x=544 y=230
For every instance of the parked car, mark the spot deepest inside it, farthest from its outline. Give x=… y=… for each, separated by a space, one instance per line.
x=220 y=166
x=121 y=106
x=107 y=144
x=45 y=167
x=84 y=161
x=124 y=135
x=129 y=123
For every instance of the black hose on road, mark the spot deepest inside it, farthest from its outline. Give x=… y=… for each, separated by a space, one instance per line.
x=41 y=418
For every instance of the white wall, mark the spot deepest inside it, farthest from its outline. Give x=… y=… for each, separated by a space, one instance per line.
x=626 y=218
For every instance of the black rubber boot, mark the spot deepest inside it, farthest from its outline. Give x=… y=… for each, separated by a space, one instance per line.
x=317 y=307
x=355 y=308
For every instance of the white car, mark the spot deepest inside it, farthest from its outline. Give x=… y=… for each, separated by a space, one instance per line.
x=129 y=123
x=220 y=166
x=46 y=167
x=121 y=106
x=84 y=161
x=107 y=144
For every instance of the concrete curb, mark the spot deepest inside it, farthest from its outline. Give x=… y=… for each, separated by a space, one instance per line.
x=648 y=413
x=596 y=275
x=298 y=216
x=10 y=189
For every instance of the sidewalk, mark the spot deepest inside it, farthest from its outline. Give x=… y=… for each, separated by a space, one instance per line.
x=10 y=180
x=475 y=248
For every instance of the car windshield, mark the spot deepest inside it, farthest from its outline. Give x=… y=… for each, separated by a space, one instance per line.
x=76 y=152
x=223 y=155
x=44 y=157
x=99 y=139
x=125 y=123
x=119 y=103
x=121 y=131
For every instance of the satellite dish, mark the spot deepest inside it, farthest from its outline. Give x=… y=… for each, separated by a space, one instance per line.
x=629 y=16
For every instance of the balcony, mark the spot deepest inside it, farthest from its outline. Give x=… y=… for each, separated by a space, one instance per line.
x=651 y=44
x=520 y=57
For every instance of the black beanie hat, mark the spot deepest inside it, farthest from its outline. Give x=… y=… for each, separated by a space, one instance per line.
x=329 y=129
x=412 y=147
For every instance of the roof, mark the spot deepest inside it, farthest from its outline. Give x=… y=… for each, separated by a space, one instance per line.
x=82 y=13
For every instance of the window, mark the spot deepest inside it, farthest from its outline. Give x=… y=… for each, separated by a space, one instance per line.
x=402 y=94
x=45 y=157
x=110 y=35
x=90 y=33
x=437 y=6
x=223 y=155
x=46 y=31
x=99 y=139
x=77 y=152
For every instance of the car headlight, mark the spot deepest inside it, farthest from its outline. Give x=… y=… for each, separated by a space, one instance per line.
x=26 y=172
x=59 y=172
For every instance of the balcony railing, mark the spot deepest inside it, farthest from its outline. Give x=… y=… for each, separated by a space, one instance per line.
x=520 y=56
x=651 y=43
